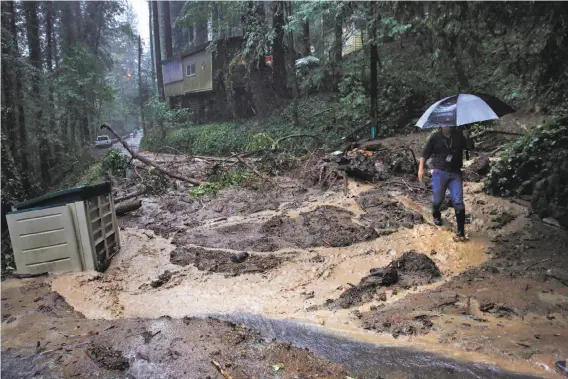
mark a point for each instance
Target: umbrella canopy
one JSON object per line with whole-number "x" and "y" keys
{"x": 463, "y": 109}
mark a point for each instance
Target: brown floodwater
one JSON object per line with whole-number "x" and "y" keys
{"x": 275, "y": 301}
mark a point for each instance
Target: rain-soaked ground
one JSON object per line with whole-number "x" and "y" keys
{"x": 481, "y": 309}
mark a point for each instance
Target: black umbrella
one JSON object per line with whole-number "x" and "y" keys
{"x": 463, "y": 109}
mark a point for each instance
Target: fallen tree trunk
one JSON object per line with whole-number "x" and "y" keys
{"x": 149, "y": 162}
{"x": 128, "y": 206}
{"x": 131, "y": 195}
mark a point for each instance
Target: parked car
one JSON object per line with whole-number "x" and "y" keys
{"x": 103, "y": 141}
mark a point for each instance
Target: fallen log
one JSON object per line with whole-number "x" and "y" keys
{"x": 127, "y": 206}
{"x": 149, "y": 162}
{"x": 131, "y": 195}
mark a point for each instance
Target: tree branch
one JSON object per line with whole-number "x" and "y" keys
{"x": 149, "y": 162}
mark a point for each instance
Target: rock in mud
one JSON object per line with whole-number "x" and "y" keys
{"x": 239, "y": 257}
{"x": 107, "y": 357}
{"x": 223, "y": 261}
{"x": 162, "y": 279}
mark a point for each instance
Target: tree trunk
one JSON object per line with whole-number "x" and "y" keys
{"x": 8, "y": 79}
{"x": 374, "y": 60}
{"x": 292, "y": 72}
{"x": 157, "y": 51}
{"x": 215, "y": 26}
{"x": 152, "y": 44}
{"x": 337, "y": 48}
{"x": 32, "y": 32}
{"x": 463, "y": 82}
{"x": 167, "y": 28}
{"x": 140, "y": 84}
{"x": 23, "y": 135}
{"x": 11, "y": 182}
{"x": 49, "y": 60}
{"x": 306, "y": 38}
{"x": 78, "y": 18}
{"x": 278, "y": 53}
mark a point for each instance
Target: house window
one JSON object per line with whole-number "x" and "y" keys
{"x": 190, "y": 69}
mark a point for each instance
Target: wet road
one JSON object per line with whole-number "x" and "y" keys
{"x": 133, "y": 143}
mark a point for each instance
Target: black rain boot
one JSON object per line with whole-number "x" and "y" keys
{"x": 437, "y": 216}
{"x": 460, "y": 220}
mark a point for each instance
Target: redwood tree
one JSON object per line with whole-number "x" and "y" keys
{"x": 157, "y": 49}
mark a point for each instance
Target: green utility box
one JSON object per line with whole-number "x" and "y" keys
{"x": 69, "y": 230}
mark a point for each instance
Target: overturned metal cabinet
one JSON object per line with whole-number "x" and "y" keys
{"x": 70, "y": 230}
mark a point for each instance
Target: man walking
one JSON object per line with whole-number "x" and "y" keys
{"x": 446, "y": 149}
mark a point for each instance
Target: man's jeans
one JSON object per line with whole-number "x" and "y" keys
{"x": 441, "y": 180}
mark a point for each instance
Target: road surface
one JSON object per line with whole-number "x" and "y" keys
{"x": 133, "y": 143}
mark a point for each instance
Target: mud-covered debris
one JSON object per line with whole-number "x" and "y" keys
{"x": 384, "y": 276}
{"x": 559, "y": 274}
{"x": 415, "y": 269}
{"x": 162, "y": 279}
{"x": 498, "y": 310}
{"x": 477, "y": 170}
{"x": 148, "y": 335}
{"x": 239, "y": 257}
{"x": 328, "y": 226}
{"x": 221, "y": 261}
{"x": 10, "y": 319}
{"x": 502, "y": 220}
{"x": 386, "y": 213}
{"x": 308, "y": 294}
{"x": 411, "y": 269}
{"x": 324, "y": 226}
{"x": 107, "y": 357}
{"x": 317, "y": 259}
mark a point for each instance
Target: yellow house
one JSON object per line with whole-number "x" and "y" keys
{"x": 194, "y": 80}
{"x": 353, "y": 39}
{"x": 188, "y": 74}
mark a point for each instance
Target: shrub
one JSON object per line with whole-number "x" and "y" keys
{"x": 115, "y": 162}
{"x": 526, "y": 158}
{"x": 218, "y": 181}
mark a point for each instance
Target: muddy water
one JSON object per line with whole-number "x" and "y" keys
{"x": 366, "y": 359}
{"x": 275, "y": 301}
